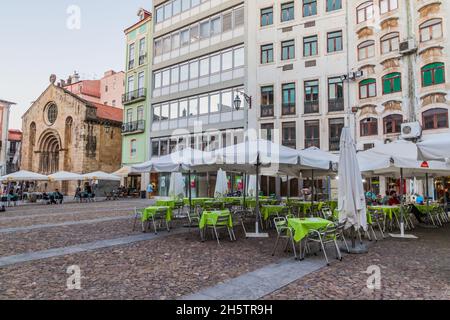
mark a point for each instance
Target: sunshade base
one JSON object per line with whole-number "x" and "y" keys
{"x": 257, "y": 235}
{"x": 404, "y": 236}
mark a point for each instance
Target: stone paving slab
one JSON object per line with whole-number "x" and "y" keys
{"x": 45, "y": 254}
{"x": 259, "y": 283}
{"x": 63, "y": 224}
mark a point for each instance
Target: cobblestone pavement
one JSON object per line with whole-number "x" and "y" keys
{"x": 165, "y": 268}
{"x": 179, "y": 264}
{"x": 410, "y": 269}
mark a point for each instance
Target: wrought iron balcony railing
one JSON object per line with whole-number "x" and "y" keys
{"x": 133, "y": 127}
{"x": 134, "y": 95}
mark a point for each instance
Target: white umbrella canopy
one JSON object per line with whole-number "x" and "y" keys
{"x": 24, "y": 176}
{"x": 181, "y": 160}
{"x": 177, "y": 186}
{"x": 434, "y": 147}
{"x": 389, "y": 159}
{"x": 124, "y": 171}
{"x": 100, "y": 175}
{"x": 352, "y": 200}
{"x": 65, "y": 176}
{"x": 317, "y": 158}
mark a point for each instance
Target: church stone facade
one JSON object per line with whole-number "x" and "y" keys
{"x": 63, "y": 132}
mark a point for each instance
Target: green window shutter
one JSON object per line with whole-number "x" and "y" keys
{"x": 386, "y": 86}
{"x": 427, "y": 78}
{"x": 367, "y": 81}
{"x": 398, "y": 84}
{"x": 439, "y": 76}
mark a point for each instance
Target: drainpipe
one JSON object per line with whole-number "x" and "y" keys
{"x": 410, "y": 60}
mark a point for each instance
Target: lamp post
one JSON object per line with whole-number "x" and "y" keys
{"x": 238, "y": 102}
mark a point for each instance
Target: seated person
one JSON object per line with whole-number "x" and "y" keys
{"x": 56, "y": 197}
{"x": 385, "y": 200}
{"x": 78, "y": 193}
{"x": 394, "y": 200}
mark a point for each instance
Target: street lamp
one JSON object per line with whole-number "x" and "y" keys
{"x": 238, "y": 102}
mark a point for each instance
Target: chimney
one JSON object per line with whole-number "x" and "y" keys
{"x": 75, "y": 77}
{"x": 69, "y": 80}
{"x": 63, "y": 83}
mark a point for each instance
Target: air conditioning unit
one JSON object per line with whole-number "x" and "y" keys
{"x": 411, "y": 130}
{"x": 408, "y": 46}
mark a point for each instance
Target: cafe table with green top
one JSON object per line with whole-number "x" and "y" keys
{"x": 197, "y": 201}
{"x": 209, "y": 218}
{"x": 268, "y": 211}
{"x": 235, "y": 201}
{"x": 424, "y": 209}
{"x": 305, "y": 206}
{"x": 302, "y": 227}
{"x": 167, "y": 203}
{"x": 251, "y": 203}
{"x": 389, "y": 211}
{"x": 213, "y": 204}
{"x": 149, "y": 212}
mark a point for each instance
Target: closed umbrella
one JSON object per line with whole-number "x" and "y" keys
{"x": 221, "y": 184}
{"x": 251, "y": 187}
{"x": 352, "y": 202}
{"x": 177, "y": 186}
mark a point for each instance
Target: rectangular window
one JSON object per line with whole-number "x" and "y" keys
{"x": 193, "y": 107}
{"x": 333, "y": 5}
{"x": 184, "y": 72}
{"x": 288, "y": 50}
{"x": 183, "y": 109}
{"x": 174, "y": 110}
{"x": 227, "y": 60}
{"x": 131, "y": 56}
{"x": 157, "y": 80}
{"x": 140, "y": 113}
{"x": 392, "y": 83}
{"x": 367, "y": 89}
{"x": 335, "y": 130}
{"x": 287, "y": 11}
{"x": 310, "y": 46}
{"x": 267, "y": 101}
{"x": 193, "y": 70}
{"x": 204, "y": 105}
{"x": 184, "y": 35}
{"x": 176, "y": 7}
{"x": 312, "y": 96}
{"x": 227, "y": 22}
{"x": 289, "y": 135}
{"x": 289, "y": 99}
{"x": 335, "y": 94}
{"x": 334, "y": 41}
{"x": 158, "y": 48}
{"x": 312, "y": 134}
{"x": 204, "y": 67}
{"x": 266, "y": 16}
{"x": 175, "y": 41}
{"x": 215, "y": 64}
{"x": 194, "y": 36}
{"x": 309, "y": 8}
{"x": 267, "y": 53}
{"x": 167, "y": 44}
{"x": 239, "y": 57}
{"x": 267, "y": 131}
{"x": 141, "y": 81}
{"x": 239, "y": 17}
{"x": 204, "y": 30}
{"x": 174, "y": 75}
{"x": 215, "y": 26}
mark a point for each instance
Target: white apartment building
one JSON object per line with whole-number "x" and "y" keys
{"x": 290, "y": 56}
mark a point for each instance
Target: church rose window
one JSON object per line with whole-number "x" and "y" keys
{"x": 52, "y": 113}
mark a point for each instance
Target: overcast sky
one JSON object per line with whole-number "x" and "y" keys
{"x": 38, "y": 38}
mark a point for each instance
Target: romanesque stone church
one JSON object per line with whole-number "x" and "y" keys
{"x": 64, "y": 132}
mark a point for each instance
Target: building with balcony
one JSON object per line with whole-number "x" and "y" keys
{"x": 13, "y": 151}
{"x": 199, "y": 66}
{"x": 136, "y": 99}
{"x": 5, "y": 109}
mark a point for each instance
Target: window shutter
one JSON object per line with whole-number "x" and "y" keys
{"x": 227, "y": 23}
{"x": 239, "y": 17}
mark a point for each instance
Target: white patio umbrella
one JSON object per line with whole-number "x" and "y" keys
{"x": 100, "y": 175}
{"x": 177, "y": 186}
{"x": 434, "y": 147}
{"x": 352, "y": 201}
{"x": 123, "y": 172}
{"x": 65, "y": 176}
{"x": 24, "y": 176}
{"x": 221, "y": 184}
{"x": 251, "y": 187}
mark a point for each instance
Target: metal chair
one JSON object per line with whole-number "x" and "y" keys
{"x": 284, "y": 232}
{"x": 340, "y": 235}
{"x": 242, "y": 217}
{"x": 378, "y": 219}
{"x": 323, "y": 237}
{"x": 137, "y": 215}
{"x": 327, "y": 214}
{"x": 178, "y": 207}
{"x": 160, "y": 217}
{"x": 221, "y": 223}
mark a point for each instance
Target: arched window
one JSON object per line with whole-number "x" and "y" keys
{"x": 364, "y": 11}
{"x": 367, "y": 89}
{"x": 435, "y": 119}
{"x": 392, "y": 83}
{"x": 432, "y": 74}
{"x": 369, "y": 127}
{"x": 366, "y": 50}
{"x": 390, "y": 42}
{"x": 393, "y": 123}
{"x": 68, "y": 132}
{"x": 431, "y": 30}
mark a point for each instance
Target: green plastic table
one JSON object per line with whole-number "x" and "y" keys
{"x": 166, "y": 203}
{"x": 149, "y": 212}
{"x": 210, "y": 218}
{"x": 211, "y": 203}
{"x": 305, "y": 206}
{"x": 251, "y": 203}
{"x": 197, "y": 201}
{"x": 303, "y": 226}
{"x": 268, "y": 211}
{"x": 424, "y": 209}
{"x": 389, "y": 211}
